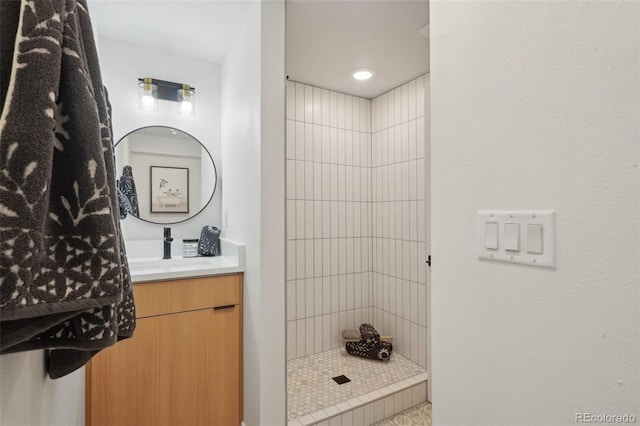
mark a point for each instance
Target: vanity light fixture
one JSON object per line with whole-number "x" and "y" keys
{"x": 150, "y": 90}
{"x": 147, "y": 94}
{"x": 362, "y": 74}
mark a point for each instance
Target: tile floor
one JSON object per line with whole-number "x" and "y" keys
{"x": 420, "y": 415}
{"x": 310, "y": 386}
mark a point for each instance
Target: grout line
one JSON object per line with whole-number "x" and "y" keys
{"x": 372, "y": 132}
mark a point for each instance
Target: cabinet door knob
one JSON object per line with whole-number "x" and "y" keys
{"x": 218, "y": 308}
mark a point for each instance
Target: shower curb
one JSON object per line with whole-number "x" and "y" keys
{"x": 372, "y": 407}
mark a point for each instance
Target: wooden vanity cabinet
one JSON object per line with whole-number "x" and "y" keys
{"x": 183, "y": 366}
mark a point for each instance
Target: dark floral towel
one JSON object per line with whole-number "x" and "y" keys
{"x": 370, "y": 345}
{"x": 64, "y": 281}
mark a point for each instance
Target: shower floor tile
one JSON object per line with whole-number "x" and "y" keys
{"x": 310, "y": 386}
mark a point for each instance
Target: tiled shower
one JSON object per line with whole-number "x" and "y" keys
{"x": 356, "y": 225}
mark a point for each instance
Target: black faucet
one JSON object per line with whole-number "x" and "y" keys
{"x": 167, "y": 243}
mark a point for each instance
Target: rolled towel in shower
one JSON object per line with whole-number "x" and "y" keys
{"x": 370, "y": 345}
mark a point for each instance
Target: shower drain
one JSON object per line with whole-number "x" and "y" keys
{"x": 341, "y": 380}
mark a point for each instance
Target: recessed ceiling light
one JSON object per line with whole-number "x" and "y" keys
{"x": 362, "y": 75}
{"x": 173, "y": 132}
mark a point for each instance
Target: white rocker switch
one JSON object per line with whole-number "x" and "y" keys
{"x": 512, "y": 236}
{"x": 534, "y": 238}
{"x": 491, "y": 235}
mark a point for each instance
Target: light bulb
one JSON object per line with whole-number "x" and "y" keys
{"x": 185, "y": 107}
{"x": 147, "y": 95}
{"x": 147, "y": 100}
{"x": 186, "y": 100}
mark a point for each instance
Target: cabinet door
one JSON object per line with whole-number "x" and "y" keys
{"x": 170, "y": 373}
{"x": 224, "y": 361}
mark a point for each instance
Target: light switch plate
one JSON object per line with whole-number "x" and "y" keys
{"x": 546, "y": 218}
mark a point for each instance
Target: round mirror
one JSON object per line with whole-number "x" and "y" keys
{"x": 164, "y": 175}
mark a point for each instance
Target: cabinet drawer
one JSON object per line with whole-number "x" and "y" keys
{"x": 166, "y": 297}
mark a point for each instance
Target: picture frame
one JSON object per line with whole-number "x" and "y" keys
{"x": 169, "y": 189}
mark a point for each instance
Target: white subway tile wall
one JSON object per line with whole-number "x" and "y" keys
{"x": 356, "y": 218}
{"x": 329, "y": 244}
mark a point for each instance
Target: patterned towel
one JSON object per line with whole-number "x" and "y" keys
{"x": 127, "y": 195}
{"x": 370, "y": 345}
{"x": 64, "y": 280}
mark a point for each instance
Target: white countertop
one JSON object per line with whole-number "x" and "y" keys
{"x": 144, "y": 269}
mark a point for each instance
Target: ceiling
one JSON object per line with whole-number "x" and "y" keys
{"x": 163, "y": 132}
{"x": 326, "y": 40}
{"x": 199, "y": 29}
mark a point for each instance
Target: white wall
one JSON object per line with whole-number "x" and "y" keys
{"x": 241, "y": 187}
{"x": 272, "y": 208}
{"x": 328, "y": 217}
{"x": 122, "y": 64}
{"x": 241, "y": 193}
{"x": 28, "y": 397}
{"x": 535, "y": 105}
{"x": 253, "y": 200}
